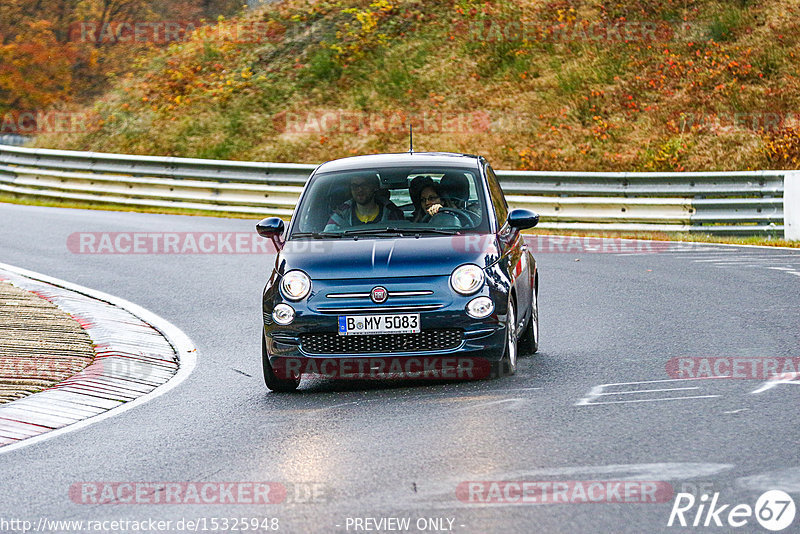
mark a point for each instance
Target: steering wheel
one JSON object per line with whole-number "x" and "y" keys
{"x": 463, "y": 217}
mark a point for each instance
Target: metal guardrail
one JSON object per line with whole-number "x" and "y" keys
{"x": 747, "y": 202}
{"x": 717, "y": 202}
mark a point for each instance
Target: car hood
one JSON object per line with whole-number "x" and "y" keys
{"x": 386, "y": 257}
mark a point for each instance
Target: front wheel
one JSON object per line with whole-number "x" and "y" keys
{"x": 273, "y": 382}
{"x": 507, "y": 366}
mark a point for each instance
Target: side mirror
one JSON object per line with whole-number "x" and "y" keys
{"x": 521, "y": 219}
{"x": 270, "y": 227}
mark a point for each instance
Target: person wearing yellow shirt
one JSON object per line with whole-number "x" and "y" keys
{"x": 365, "y": 206}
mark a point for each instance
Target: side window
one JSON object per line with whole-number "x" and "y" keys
{"x": 498, "y": 199}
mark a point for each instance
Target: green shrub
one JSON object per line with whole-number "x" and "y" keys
{"x": 725, "y": 25}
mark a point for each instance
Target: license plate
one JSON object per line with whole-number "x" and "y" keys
{"x": 355, "y": 325}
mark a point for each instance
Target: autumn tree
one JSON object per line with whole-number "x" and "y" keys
{"x": 44, "y": 61}
{"x": 35, "y": 68}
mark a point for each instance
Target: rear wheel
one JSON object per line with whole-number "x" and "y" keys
{"x": 529, "y": 341}
{"x": 273, "y": 382}
{"x": 508, "y": 364}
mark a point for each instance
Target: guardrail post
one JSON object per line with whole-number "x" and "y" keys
{"x": 791, "y": 206}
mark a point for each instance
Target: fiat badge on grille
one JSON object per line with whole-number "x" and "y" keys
{"x": 379, "y": 295}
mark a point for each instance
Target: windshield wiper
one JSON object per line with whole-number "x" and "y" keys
{"x": 365, "y": 231}
{"x": 316, "y": 235}
{"x": 396, "y": 230}
{"x": 436, "y": 231}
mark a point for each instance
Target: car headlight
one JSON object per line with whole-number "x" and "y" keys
{"x": 283, "y": 314}
{"x": 467, "y": 279}
{"x": 296, "y": 285}
{"x": 480, "y": 307}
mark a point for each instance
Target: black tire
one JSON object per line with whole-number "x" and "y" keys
{"x": 529, "y": 341}
{"x": 507, "y": 366}
{"x": 279, "y": 385}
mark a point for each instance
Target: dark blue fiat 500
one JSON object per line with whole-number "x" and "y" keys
{"x": 399, "y": 265}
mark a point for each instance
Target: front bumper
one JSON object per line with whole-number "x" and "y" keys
{"x": 482, "y": 340}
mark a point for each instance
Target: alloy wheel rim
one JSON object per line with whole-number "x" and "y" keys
{"x": 512, "y": 337}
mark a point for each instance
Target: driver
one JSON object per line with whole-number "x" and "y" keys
{"x": 366, "y": 206}
{"x": 431, "y": 200}
{"x": 426, "y": 197}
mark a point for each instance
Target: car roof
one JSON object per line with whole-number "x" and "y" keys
{"x": 445, "y": 159}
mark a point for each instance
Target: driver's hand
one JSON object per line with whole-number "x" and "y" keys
{"x": 433, "y": 210}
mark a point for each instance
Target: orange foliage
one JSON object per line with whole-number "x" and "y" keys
{"x": 45, "y": 61}
{"x": 35, "y": 69}
{"x": 782, "y": 148}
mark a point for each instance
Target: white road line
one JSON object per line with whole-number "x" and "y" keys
{"x": 704, "y": 257}
{"x": 694, "y": 247}
{"x": 747, "y": 248}
{"x": 750, "y": 258}
{"x": 645, "y": 391}
{"x": 601, "y": 390}
{"x": 662, "y": 380}
{"x": 758, "y": 264}
{"x": 746, "y": 264}
{"x": 788, "y": 378}
{"x": 651, "y": 400}
{"x": 786, "y": 479}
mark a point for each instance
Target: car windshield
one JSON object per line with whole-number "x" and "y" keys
{"x": 398, "y": 201}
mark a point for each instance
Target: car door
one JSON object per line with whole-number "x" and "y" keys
{"x": 513, "y": 254}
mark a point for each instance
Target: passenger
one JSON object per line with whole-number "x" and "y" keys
{"x": 426, "y": 197}
{"x": 367, "y": 205}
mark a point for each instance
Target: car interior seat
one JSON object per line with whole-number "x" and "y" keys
{"x": 455, "y": 186}
{"x": 338, "y": 194}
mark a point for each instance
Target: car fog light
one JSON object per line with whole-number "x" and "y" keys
{"x": 480, "y": 307}
{"x": 283, "y": 314}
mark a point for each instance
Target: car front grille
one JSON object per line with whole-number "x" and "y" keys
{"x": 426, "y": 341}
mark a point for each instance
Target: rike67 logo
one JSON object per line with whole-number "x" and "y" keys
{"x": 774, "y": 510}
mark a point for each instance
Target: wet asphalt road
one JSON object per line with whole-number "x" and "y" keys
{"x": 583, "y": 409}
